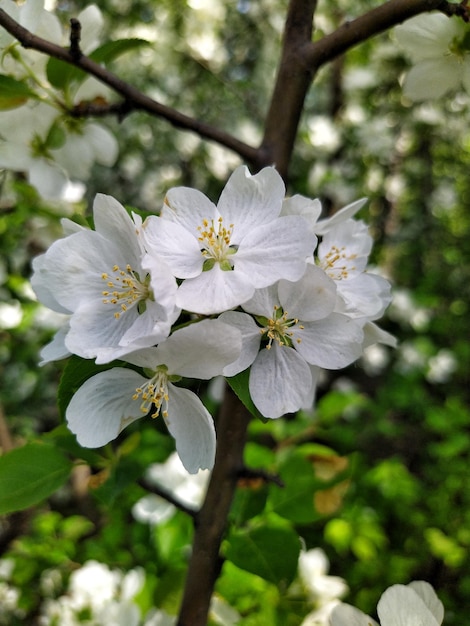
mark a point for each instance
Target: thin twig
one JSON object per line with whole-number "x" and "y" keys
{"x": 166, "y": 495}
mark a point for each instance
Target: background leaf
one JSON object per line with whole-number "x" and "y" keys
{"x": 270, "y": 551}
{"x": 30, "y": 474}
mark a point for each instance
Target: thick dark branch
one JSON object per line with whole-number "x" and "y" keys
{"x": 212, "y": 519}
{"x": 134, "y": 99}
{"x": 293, "y": 80}
{"x": 372, "y": 23}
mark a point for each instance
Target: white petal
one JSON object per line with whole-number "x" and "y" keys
{"x": 201, "y": 350}
{"x": 323, "y": 226}
{"x": 188, "y": 207}
{"x": 48, "y": 178}
{"x": 276, "y": 250}
{"x": 374, "y": 334}
{"x": 401, "y": 606}
{"x": 178, "y": 247}
{"x": 431, "y": 79}
{"x": 113, "y": 222}
{"x": 103, "y": 142}
{"x": 313, "y": 297}
{"x": 366, "y": 295}
{"x": 331, "y": 343}
{"x": 248, "y": 201}
{"x": 251, "y": 339}
{"x": 300, "y": 205}
{"x": 429, "y": 597}
{"x": 192, "y": 427}
{"x": 42, "y": 286}
{"x": 280, "y": 381}
{"x": 427, "y": 36}
{"x": 263, "y": 301}
{"x": 91, "y": 20}
{"x": 103, "y": 406}
{"x": 55, "y": 350}
{"x": 214, "y": 291}
{"x": 347, "y": 615}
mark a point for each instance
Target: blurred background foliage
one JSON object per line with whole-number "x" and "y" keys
{"x": 384, "y": 458}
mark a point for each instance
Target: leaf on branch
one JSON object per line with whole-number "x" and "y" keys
{"x": 31, "y": 474}
{"x": 13, "y": 93}
{"x": 61, "y": 74}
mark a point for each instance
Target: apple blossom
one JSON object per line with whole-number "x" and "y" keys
{"x": 116, "y": 303}
{"x": 111, "y": 400}
{"x": 222, "y": 254}
{"x": 286, "y": 329}
{"x": 415, "y": 604}
{"x": 438, "y": 47}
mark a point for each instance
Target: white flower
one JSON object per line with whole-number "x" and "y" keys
{"x": 25, "y": 147}
{"x": 438, "y": 48}
{"x": 117, "y": 303}
{"x": 313, "y": 568}
{"x": 111, "y": 400}
{"x": 295, "y": 327}
{"x": 224, "y": 253}
{"x": 171, "y": 475}
{"x": 37, "y": 139}
{"x": 415, "y": 604}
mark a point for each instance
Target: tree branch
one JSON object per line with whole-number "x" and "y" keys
{"x": 292, "y": 83}
{"x": 134, "y": 99}
{"x": 372, "y": 23}
{"x": 211, "y": 521}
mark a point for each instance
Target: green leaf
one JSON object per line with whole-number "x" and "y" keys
{"x": 30, "y": 474}
{"x": 295, "y": 500}
{"x": 270, "y": 551}
{"x": 61, "y": 74}
{"x": 13, "y": 93}
{"x": 239, "y": 384}
{"x": 113, "y": 49}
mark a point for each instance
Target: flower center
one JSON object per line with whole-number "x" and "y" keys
{"x": 126, "y": 289}
{"x": 154, "y": 393}
{"x": 215, "y": 244}
{"x": 337, "y": 263}
{"x": 277, "y": 328}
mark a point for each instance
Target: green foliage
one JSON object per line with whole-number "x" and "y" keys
{"x": 268, "y": 549}
{"x": 30, "y": 474}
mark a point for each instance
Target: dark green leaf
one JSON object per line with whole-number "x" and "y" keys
{"x": 295, "y": 500}
{"x": 270, "y": 551}
{"x": 31, "y": 474}
{"x": 62, "y": 74}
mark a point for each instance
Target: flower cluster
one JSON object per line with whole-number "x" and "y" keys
{"x": 203, "y": 290}
{"x": 36, "y": 134}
